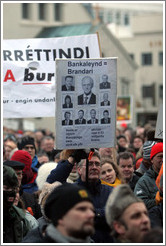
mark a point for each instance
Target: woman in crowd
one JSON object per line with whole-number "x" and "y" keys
{"x": 110, "y": 174}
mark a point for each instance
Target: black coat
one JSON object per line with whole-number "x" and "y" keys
{"x": 31, "y": 201}
{"x": 91, "y": 101}
{"x": 103, "y": 121}
{"x": 66, "y": 106}
{"x": 90, "y": 121}
{"x": 64, "y": 88}
{"x": 70, "y": 122}
{"x": 156, "y": 215}
{"x": 105, "y": 85}
{"x": 35, "y": 235}
{"x": 108, "y": 103}
{"x": 77, "y": 121}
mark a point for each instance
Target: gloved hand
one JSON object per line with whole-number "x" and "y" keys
{"x": 79, "y": 154}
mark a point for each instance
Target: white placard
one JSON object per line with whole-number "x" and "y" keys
{"x": 28, "y": 125}
{"x": 159, "y": 124}
{"x": 96, "y": 78}
{"x": 29, "y": 72}
{"x": 11, "y": 124}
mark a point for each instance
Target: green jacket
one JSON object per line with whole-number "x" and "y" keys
{"x": 146, "y": 188}
{"x": 15, "y": 226}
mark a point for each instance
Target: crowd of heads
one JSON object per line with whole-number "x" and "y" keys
{"x": 30, "y": 157}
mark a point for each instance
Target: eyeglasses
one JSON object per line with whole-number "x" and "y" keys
{"x": 96, "y": 163}
{"x": 29, "y": 147}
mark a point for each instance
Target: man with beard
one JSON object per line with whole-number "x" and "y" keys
{"x": 71, "y": 213}
{"x": 92, "y": 182}
{"x": 15, "y": 225}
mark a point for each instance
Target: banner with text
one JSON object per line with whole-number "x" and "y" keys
{"x": 86, "y": 103}
{"x": 29, "y": 72}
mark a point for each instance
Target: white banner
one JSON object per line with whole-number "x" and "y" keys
{"x": 86, "y": 103}
{"x": 29, "y": 72}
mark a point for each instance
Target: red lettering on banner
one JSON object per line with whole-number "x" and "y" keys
{"x": 9, "y": 76}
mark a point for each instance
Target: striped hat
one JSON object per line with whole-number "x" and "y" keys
{"x": 147, "y": 149}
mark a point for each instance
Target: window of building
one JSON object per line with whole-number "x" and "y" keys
{"x": 146, "y": 59}
{"x": 126, "y": 19}
{"x": 41, "y": 11}
{"x": 146, "y": 91}
{"x": 149, "y": 92}
{"x": 161, "y": 91}
{"x": 109, "y": 18}
{"x": 160, "y": 58}
{"x": 25, "y": 10}
{"x": 132, "y": 56}
{"x": 124, "y": 87}
{"x": 101, "y": 15}
{"x": 57, "y": 11}
{"x": 118, "y": 18}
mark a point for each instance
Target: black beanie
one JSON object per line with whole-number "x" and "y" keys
{"x": 24, "y": 141}
{"x": 63, "y": 198}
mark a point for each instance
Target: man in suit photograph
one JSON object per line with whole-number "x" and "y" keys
{"x": 87, "y": 97}
{"x": 105, "y": 84}
{"x": 105, "y": 101}
{"x": 68, "y": 103}
{"x": 67, "y": 121}
{"x": 105, "y": 119}
{"x": 68, "y": 86}
{"x": 93, "y": 119}
{"x": 80, "y": 119}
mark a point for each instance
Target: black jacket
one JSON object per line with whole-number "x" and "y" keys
{"x": 156, "y": 215}
{"x": 31, "y": 201}
{"x": 15, "y": 225}
{"x": 91, "y": 101}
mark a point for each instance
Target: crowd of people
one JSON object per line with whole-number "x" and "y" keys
{"x": 105, "y": 195}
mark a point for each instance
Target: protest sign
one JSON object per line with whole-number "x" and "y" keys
{"x": 86, "y": 103}
{"x": 29, "y": 72}
{"x": 124, "y": 109}
{"x": 159, "y": 124}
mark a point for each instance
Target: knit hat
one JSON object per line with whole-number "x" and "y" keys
{"x": 22, "y": 156}
{"x": 120, "y": 198}
{"x": 157, "y": 148}
{"x": 63, "y": 198}
{"x": 147, "y": 146}
{"x": 14, "y": 164}
{"x": 43, "y": 173}
{"x": 24, "y": 141}
{"x": 9, "y": 177}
